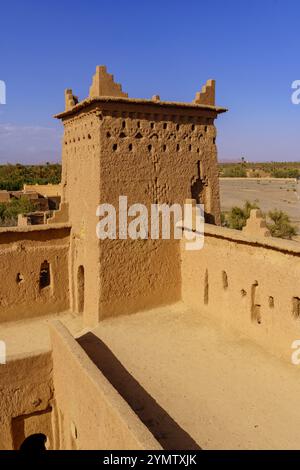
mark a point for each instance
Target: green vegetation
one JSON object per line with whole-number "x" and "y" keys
{"x": 259, "y": 170}
{"x": 281, "y": 226}
{"x": 237, "y": 217}
{"x": 9, "y": 210}
{"x": 234, "y": 171}
{"x": 285, "y": 173}
{"x": 278, "y": 222}
{"x": 13, "y": 177}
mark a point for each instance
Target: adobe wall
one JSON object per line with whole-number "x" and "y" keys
{"x": 47, "y": 190}
{"x": 93, "y": 415}
{"x": 159, "y": 155}
{"x": 81, "y": 193}
{"x": 151, "y": 155}
{"x": 23, "y": 250}
{"x": 248, "y": 284}
{"x": 26, "y": 400}
{"x": 150, "y": 151}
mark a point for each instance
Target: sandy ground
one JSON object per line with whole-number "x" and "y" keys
{"x": 223, "y": 390}
{"x": 32, "y": 335}
{"x": 270, "y": 193}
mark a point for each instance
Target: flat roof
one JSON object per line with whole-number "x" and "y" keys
{"x": 31, "y": 336}
{"x": 35, "y": 228}
{"x": 224, "y": 391}
{"x": 138, "y": 101}
{"x": 218, "y": 386}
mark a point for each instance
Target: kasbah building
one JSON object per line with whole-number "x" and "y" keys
{"x": 143, "y": 344}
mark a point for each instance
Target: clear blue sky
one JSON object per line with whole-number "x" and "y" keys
{"x": 152, "y": 47}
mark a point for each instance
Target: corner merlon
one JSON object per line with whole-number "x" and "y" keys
{"x": 104, "y": 85}
{"x": 207, "y": 94}
{"x": 256, "y": 225}
{"x": 70, "y": 99}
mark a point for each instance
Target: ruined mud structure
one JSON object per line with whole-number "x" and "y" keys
{"x": 142, "y": 344}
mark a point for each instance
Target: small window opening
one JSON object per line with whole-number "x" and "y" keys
{"x": 19, "y": 278}
{"x": 296, "y": 307}
{"x": 45, "y": 275}
{"x": 224, "y": 280}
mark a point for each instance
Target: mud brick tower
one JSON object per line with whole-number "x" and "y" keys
{"x": 151, "y": 151}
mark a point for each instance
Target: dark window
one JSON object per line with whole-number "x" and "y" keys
{"x": 19, "y": 278}
{"x": 296, "y": 307}
{"x": 45, "y": 275}
{"x": 80, "y": 291}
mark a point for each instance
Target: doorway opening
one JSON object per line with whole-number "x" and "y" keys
{"x": 34, "y": 442}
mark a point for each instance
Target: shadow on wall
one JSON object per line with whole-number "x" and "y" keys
{"x": 197, "y": 193}
{"x": 165, "y": 430}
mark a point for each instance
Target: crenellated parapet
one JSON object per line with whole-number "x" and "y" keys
{"x": 207, "y": 95}
{"x": 256, "y": 225}
{"x": 104, "y": 85}
{"x": 70, "y": 99}
{"x": 153, "y": 152}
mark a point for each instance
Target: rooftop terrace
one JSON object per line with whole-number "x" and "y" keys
{"x": 221, "y": 390}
